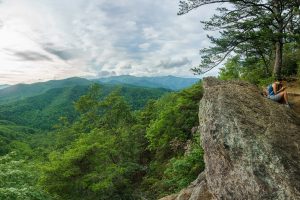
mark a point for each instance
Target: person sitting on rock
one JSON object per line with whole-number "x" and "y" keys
{"x": 277, "y": 92}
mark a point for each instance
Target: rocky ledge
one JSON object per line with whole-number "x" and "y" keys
{"x": 251, "y": 145}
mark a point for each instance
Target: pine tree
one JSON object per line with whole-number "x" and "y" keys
{"x": 246, "y": 23}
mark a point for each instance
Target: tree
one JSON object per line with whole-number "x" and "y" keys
{"x": 231, "y": 69}
{"x": 18, "y": 179}
{"x": 100, "y": 156}
{"x": 248, "y": 23}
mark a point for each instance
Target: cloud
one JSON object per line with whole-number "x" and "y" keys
{"x": 99, "y": 37}
{"x": 32, "y": 56}
{"x": 150, "y": 33}
{"x": 145, "y": 46}
{"x": 169, "y": 64}
{"x": 62, "y": 54}
{"x": 129, "y": 66}
{"x": 106, "y": 73}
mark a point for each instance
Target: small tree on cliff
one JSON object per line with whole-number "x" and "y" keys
{"x": 247, "y": 23}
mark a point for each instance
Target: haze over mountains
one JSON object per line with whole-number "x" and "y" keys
{"x": 168, "y": 82}
{"x": 4, "y": 86}
{"x": 22, "y": 91}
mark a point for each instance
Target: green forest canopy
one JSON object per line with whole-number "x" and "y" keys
{"x": 110, "y": 150}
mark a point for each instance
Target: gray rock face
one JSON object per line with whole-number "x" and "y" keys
{"x": 251, "y": 144}
{"x": 197, "y": 190}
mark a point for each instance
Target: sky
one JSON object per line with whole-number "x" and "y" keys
{"x": 55, "y": 39}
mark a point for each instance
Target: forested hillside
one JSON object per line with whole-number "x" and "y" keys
{"x": 117, "y": 146}
{"x": 17, "y": 92}
{"x": 12, "y": 136}
{"x": 44, "y": 110}
{"x": 22, "y": 91}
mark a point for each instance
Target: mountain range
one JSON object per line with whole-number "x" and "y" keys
{"x": 40, "y": 105}
{"x": 4, "y": 86}
{"x": 168, "y": 82}
{"x": 22, "y": 91}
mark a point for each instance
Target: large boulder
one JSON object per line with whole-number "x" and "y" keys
{"x": 251, "y": 144}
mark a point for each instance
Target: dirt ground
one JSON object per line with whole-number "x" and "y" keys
{"x": 294, "y": 95}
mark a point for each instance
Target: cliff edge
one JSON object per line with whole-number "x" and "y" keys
{"x": 251, "y": 145}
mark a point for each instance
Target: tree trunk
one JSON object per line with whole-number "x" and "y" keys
{"x": 278, "y": 59}
{"x": 279, "y": 40}
{"x": 266, "y": 65}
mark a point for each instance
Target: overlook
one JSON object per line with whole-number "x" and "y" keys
{"x": 151, "y": 99}
{"x": 251, "y": 145}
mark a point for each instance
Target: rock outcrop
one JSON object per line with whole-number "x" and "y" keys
{"x": 251, "y": 145}
{"x": 197, "y": 190}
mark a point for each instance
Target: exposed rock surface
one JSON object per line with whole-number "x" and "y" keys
{"x": 251, "y": 145}
{"x": 196, "y": 191}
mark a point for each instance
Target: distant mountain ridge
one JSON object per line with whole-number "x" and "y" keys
{"x": 22, "y": 91}
{"x": 168, "y": 82}
{"x": 4, "y": 86}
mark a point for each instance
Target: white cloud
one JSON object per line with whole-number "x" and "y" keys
{"x": 150, "y": 33}
{"x": 60, "y": 38}
{"x": 145, "y": 46}
{"x": 169, "y": 63}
